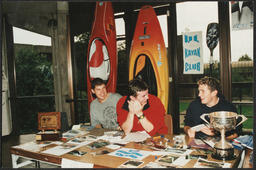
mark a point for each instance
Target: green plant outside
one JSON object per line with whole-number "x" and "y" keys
{"x": 247, "y": 111}
{"x": 33, "y": 77}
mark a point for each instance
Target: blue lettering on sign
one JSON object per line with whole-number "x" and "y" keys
{"x": 194, "y": 52}
{"x": 195, "y": 39}
{"x": 189, "y": 66}
{"x": 189, "y": 38}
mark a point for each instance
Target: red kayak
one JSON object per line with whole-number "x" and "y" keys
{"x": 102, "y": 51}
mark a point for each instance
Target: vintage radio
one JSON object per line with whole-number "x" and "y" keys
{"x": 49, "y": 124}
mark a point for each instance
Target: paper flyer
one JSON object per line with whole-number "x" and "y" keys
{"x": 67, "y": 163}
{"x": 130, "y": 153}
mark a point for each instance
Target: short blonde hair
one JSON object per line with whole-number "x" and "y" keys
{"x": 211, "y": 82}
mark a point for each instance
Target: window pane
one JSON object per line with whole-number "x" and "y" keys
{"x": 163, "y": 24}
{"x": 120, "y": 27}
{"x": 241, "y": 30}
{"x": 34, "y": 80}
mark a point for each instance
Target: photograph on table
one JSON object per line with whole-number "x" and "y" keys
{"x": 80, "y": 141}
{"x": 98, "y": 144}
{"x": 61, "y": 149}
{"x": 167, "y": 159}
{"x": 70, "y": 134}
{"x": 102, "y": 152}
{"x": 131, "y": 164}
{"x": 176, "y": 151}
{"x": 77, "y": 153}
{"x": 67, "y": 146}
{"x": 157, "y": 165}
{"x": 196, "y": 156}
{"x": 77, "y": 140}
{"x": 203, "y": 163}
{"x": 91, "y": 137}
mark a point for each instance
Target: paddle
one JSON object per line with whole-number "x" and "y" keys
{"x": 212, "y": 38}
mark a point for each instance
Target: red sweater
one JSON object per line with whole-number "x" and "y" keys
{"x": 154, "y": 111}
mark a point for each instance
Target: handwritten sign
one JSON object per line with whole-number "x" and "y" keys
{"x": 193, "y": 53}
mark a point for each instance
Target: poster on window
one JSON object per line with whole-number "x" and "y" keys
{"x": 242, "y": 15}
{"x": 193, "y": 53}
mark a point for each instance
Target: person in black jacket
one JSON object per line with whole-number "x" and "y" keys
{"x": 209, "y": 100}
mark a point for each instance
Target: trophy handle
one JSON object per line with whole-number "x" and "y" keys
{"x": 243, "y": 119}
{"x": 203, "y": 117}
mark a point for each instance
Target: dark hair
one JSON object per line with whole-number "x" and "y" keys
{"x": 135, "y": 86}
{"x": 211, "y": 82}
{"x": 97, "y": 82}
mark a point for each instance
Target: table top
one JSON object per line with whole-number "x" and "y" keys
{"x": 100, "y": 157}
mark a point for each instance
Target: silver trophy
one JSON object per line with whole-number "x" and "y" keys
{"x": 223, "y": 121}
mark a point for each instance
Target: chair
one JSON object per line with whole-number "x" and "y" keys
{"x": 168, "y": 123}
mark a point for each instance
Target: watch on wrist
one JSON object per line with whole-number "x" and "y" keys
{"x": 141, "y": 116}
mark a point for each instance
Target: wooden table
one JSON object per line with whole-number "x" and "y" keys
{"x": 99, "y": 161}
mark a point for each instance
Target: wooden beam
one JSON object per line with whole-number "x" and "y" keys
{"x": 8, "y": 34}
{"x": 63, "y": 86}
{"x": 225, "y": 49}
{"x": 70, "y": 74}
{"x": 173, "y": 107}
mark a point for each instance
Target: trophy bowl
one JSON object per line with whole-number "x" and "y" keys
{"x": 223, "y": 121}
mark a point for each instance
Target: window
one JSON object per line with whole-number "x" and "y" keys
{"x": 194, "y": 17}
{"x": 34, "y": 78}
{"x": 241, "y": 30}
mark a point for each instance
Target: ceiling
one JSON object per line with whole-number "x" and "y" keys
{"x": 36, "y": 15}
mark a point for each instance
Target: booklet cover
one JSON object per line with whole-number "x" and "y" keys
{"x": 245, "y": 140}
